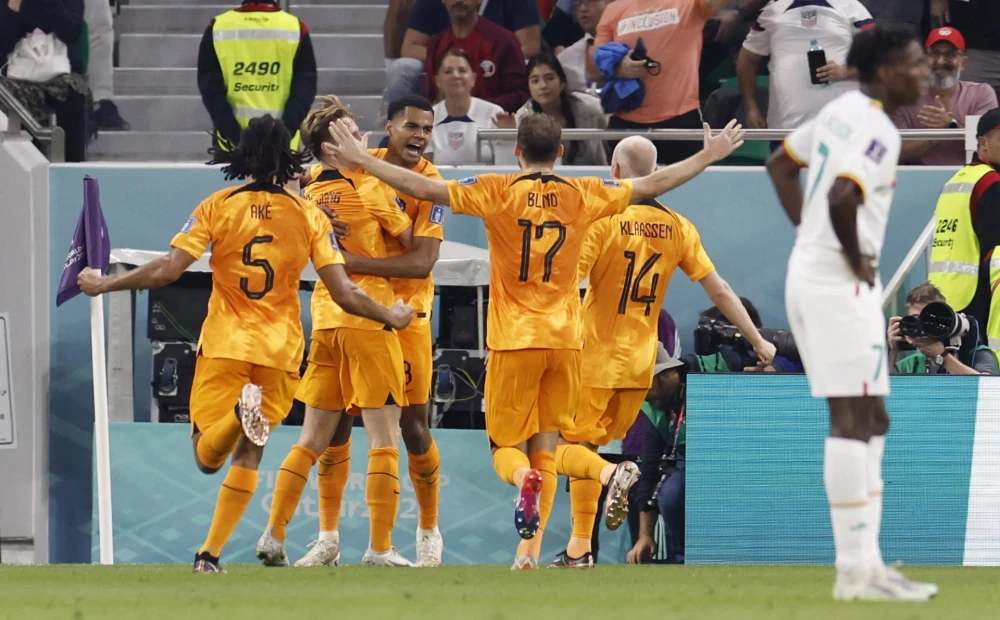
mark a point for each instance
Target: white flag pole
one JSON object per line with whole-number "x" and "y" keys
{"x": 102, "y": 441}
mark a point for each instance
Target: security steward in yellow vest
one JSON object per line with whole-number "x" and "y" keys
{"x": 256, "y": 60}
{"x": 965, "y": 253}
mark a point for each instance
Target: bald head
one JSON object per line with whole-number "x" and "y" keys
{"x": 634, "y": 157}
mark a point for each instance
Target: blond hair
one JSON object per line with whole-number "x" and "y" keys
{"x": 316, "y": 126}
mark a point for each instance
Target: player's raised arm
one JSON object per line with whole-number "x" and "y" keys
{"x": 726, "y": 300}
{"x": 716, "y": 148}
{"x": 353, "y": 300}
{"x": 156, "y": 274}
{"x": 351, "y": 152}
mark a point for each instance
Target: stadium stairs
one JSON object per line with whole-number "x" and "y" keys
{"x": 156, "y": 87}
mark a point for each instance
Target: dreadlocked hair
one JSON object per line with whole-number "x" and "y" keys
{"x": 263, "y": 154}
{"x": 316, "y": 127}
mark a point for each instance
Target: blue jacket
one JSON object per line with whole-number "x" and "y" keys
{"x": 617, "y": 95}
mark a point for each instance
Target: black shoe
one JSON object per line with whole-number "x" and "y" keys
{"x": 207, "y": 563}
{"x": 564, "y": 561}
{"x": 107, "y": 118}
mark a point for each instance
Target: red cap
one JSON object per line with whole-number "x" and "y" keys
{"x": 948, "y": 34}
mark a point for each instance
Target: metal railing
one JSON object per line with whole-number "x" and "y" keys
{"x": 920, "y": 250}
{"x": 692, "y": 135}
{"x": 18, "y": 115}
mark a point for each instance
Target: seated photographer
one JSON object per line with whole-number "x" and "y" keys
{"x": 660, "y": 488}
{"x": 943, "y": 342}
{"x": 720, "y": 348}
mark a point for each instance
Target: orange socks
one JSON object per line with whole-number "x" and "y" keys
{"x": 577, "y": 461}
{"x": 424, "y": 470}
{"x": 234, "y": 497}
{"x": 333, "y": 472}
{"x": 584, "y": 496}
{"x": 506, "y": 461}
{"x": 218, "y": 441}
{"x": 288, "y": 488}
{"x": 382, "y": 495}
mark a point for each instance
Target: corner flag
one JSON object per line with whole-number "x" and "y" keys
{"x": 91, "y": 246}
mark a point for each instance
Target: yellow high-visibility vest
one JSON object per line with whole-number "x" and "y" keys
{"x": 256, "y": 51}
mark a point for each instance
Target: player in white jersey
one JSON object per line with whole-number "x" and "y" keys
{"x": 833, "y": 294}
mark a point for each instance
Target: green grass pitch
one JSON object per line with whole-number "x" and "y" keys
{"x": 136, "y": 592}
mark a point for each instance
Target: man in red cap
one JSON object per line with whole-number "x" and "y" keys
{"x": 947, "y": 102}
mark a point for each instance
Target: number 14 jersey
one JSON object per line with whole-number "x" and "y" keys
{"x": 261, "y": 238}
{"x": 535, "y": 226}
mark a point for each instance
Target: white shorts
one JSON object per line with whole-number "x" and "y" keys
{"x": 839, "y": 330}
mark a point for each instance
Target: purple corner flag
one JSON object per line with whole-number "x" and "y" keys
{"x": 91, "y": 246}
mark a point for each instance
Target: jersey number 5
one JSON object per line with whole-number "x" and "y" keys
{"x": 526, "y": 238}
{"x": 262, "y": 263}
{"x": 630, "y": 289}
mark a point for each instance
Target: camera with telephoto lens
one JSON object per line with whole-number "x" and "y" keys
{"x": 666, "y": 467}
{"x": 711, "y": 334}
{"x": 937, "y": 320}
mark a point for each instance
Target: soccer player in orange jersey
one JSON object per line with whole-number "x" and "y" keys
{"x": 535, "y": 223}
{"x": 410, "y": 123}
{"x": 354, "y": 364}
{"x": 251, "y": 342}
{"x": 629, "y": 258}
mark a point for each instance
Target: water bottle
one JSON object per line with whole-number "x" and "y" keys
{"x": 817, "y": 58}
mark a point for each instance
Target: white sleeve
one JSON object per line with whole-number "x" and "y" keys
{"x": 758, "y": 40}
{"x": 859, "y": 16}
{"x": 864, "y": 158}
{"x": 799, "y": 143}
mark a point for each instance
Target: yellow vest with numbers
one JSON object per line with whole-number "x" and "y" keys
{"x": 256, "y": 52}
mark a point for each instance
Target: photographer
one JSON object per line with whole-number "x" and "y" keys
{"x": 661, "y": 465}
{"x": 959, "y": 353}
{"x": 719, "y": 347}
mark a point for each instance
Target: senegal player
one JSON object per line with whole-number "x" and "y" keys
{"x": 630, "y": 258}
{"x": 535, "y": 223}
{"x": 354, "y": 364}
{"x": 251, "y": 342}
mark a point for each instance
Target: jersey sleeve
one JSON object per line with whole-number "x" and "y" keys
{"x": 606, "y": 197}
{"x": 196, "y": 235}
{"x": 324, "y": 249}
{"x": 381, "y": 203}
{"x": 607, "y": 26}
{"x": 430, "y": 217}
{"x": 758, "y": 40}
{"x": 859, "y": 16}
{"x": 695, "y": 262}
{"x": 593, "y": 243}
{"x": 862, "y": 160}
{"x": 478, "y": 195}
{"x": 798, "y": 144}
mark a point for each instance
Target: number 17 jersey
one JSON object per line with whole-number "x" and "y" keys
{"x": 535, "y": 225}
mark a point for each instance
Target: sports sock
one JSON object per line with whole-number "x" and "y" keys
{"x": 218, "y": 441}
{"x": 332, "y": 475}
{"x": 424, "y": 470}
{"x": 382, "y": 495}
{"x": 876, "y": 447}
{"x": 506, "y": 462}
{"x": 845, "y": 477}
{"x": 288, "y": 486}
{"x": 234, "y": 497}
{"x": 578, "y": 461}
{"x": 544, "y": 462}
{"x": 583, "y": 498}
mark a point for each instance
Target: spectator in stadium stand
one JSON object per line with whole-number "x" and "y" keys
{"x": 561, "y": 27}
{"x": 100, "y": 65}
{"x": 550, "y": 95}
{"x": 65, "y": 94}
{"x": 949, "y": 100}
{"x": 256, "y": 60}
{"x": 672, "y": 33}
{"x": 910, "y": 13}
{"x": 426, "y": 18}
{"x": 979, "y": 21}
{"x": 459, "y": 116}
{"x": 784, "y": 31}
{"x": 575, "y": 58}
{"x": 495, "y": 53}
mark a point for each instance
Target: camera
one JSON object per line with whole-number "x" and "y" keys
{"x": 711, "y": 334}
{"x": 937, "y": 320}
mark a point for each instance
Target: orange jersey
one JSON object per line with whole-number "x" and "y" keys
{"x": 535, "y": 227}
{"x": 362, "y": 202}
{"x": 261, "y": 238}
{"x": 630, "y": 259}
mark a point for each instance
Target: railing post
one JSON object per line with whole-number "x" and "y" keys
{"x": 57, "y": 149}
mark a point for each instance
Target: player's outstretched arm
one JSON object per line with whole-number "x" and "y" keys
{"x": 716, "y": 148}
{"x": 158, "y": 273}
{"x": 351, "y": 152}
{"x": 726, "y": 300}
{"x": 845, "y": 197}
{"x": 784, "y": 173}
{"x": 416, "y": 264}
{"x": 353, "y": 300}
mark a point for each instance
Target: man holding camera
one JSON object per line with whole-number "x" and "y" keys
{"x": 935, "y": 355}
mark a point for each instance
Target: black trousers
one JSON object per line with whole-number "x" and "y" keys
{"x": 667, "y": 152}
{"x": 72, "y": 116}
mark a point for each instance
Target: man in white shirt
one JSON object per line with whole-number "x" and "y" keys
{"x": 833, "y": 293}
{"x": 785, "y": 31}
{"x": 574, "y": 58}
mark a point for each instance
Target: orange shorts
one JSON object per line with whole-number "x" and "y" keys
{"x": 605, "y": 415}
{"x": 530, "y": 391}
{"x": 418, "y": 362}
{"x": 218, "y": 382}
{"x": 353, "y": 368}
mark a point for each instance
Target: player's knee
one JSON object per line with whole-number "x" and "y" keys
{"x": 382, "y": 426}
{"x": 205, "y": 469}
{"x": 415, "y": 428}
{"x": 880, "y": 418}
{"x": 850, "y": 418}
{"x": 247, "y": 455}
{"x": 343, "y": 433}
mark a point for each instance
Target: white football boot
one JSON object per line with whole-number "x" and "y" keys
{"x": 430, "y": 546}
{"x": 385, "y": 558}
{"x": 271, "y": 552}
{"x": 322, "y": 552}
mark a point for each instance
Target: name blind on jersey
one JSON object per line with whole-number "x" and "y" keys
{"x": 650, "y": 21}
